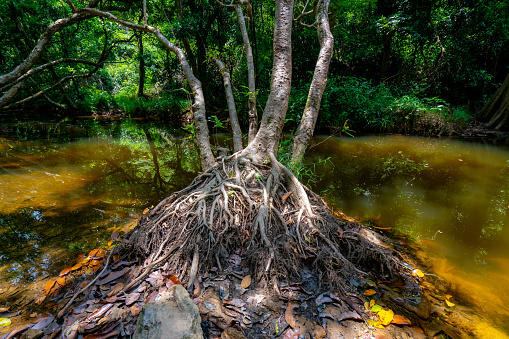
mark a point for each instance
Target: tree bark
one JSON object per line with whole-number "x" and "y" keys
{"x": 308, "y": 121}
{"x": 271, "y": 126}
{"x": 198, "y": 107}
{"x": 496, "y": 111}
{"x": 237, "y": 134}
{"x": 253, "y": 115}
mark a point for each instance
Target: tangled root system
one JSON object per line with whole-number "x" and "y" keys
{"x": 259, "y": 212}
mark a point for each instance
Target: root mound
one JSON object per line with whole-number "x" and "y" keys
{"x": 262, "y": 213}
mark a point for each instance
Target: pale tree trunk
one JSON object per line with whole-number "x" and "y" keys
{"x": 253, "y": 115}
{"x": 308, "y": 121}
{"x": 237, "y": 134}
{"x": 271, "y": 126}
{"x": 141, "y": 69}
{"x": 496, "y": 111}
{"x": 200, "y": 120}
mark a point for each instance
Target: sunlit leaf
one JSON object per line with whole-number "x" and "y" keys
{"x": 98, "y": 252}
{"x": 371, "y": 303}
{"x": 450, "y": 304}
{"x": 385, "y": 317}
{"x": 400, "y": 320}
{"x": 246, "y": 282}
{"x": 371, "y": 322}
{"x": 366, "y": 306}
{"x": 369, "y": 292}
{"x": 376, "y": 308}
{"x": 61, "y": 281}
{"x": 146, "y": 210}
{"x": 49, "y": 286}
{"x": 417, "y": 273}
{"x": 4, "y": 309}
{"x": 77, "y": 266}
{"x": 378, "y": 324}
{"x": 5, "y": 321}
{"x": 65, "y": 271}
{"x": 134, "y": 310}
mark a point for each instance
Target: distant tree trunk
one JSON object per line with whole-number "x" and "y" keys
{"x": 141, "y": 82}
{"x": 496, "y": 111}
{"x": 237, "y": 134}
{"x": 253, "y": 115}
{"x": 310, "y": 114}
{"x": 386, "y": 52}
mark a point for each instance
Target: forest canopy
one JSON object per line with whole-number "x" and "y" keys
{"x": 391, "y": 60}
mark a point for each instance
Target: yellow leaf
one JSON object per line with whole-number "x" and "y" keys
{"x": 448, "y": 296}
{"x": 246, "y": 282}
{"x": 417, "y": 273}
{"x": 369, "y": 292}
{"x": 110, "y": 243}
{"x": 49, "y": 286}
{"x": 146, "y": 210}
{"x": 378, "y": 325}
{"x": 366, "y": 306}
{"x": 450, "y": 304}
{"x": 371, "y": 322}
{"x": 61, "y": 281}
{"x": 386, "y": 317}
{"x": 376, "y": 308}
{"x": 5, "y": 321}
{"x": 372, "y": 303}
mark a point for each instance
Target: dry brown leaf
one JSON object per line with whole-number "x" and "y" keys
{"x": 39, "y": 299}
{"x": 349, "y": 315}
{"x": 146, "y": 210}
{"x": 61, "y": 281}
{"x": 101, "y": 335}
{"x": 400, "y": 320}
{"x": 418, "y": 329}
{"x": 49, "y": 286}
{"x": 286, "y": 196}
{"x": 65, "y": 271}
{"x": 246, "y": 282}
{"x": 116, "y": 289}
{"x": 369, "y": 292}
{"x": 131, "y": 298}
{"x": 289, "y": 317}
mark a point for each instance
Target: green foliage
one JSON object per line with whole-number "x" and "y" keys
{"x": 361, "y": 105}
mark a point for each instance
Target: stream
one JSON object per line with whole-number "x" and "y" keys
{"x": 66, "y": 186}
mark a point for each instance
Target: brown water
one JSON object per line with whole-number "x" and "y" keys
{"x": 65, "y": 188}
{"x": 451, "y": 197}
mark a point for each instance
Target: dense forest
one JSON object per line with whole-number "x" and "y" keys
{"x": 424, "y": 67}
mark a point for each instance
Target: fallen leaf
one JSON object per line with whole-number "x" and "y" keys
{"x": 417, "y": 273}
{"x": 145, "y": 211}
{"x": 378, "y": 325}
{"x": 400, "y": 320}
{"x": 39, "y": 299}
{"x": 326, "y": 315}
{"x": 385, "y": 317}
{"x": 289, "y": 317}
{"x": 77, "y": 266}
{"x": 65, "y": 271}
{"x": 246, "y": 282}
{"x": 116, "y": 289}
{"x": 49, "y": 286}
{"x": 98, "y": 252}
{"x": 369, "y": 292}
{"x": 349, "y": 315}
{"x": 448, "y": 296}
{"x": 450, "y": 304}
{"x": 61, "y": 281}
{"x": 3, "y": 309}
{"x": 43, "y": 322}
{"x": 371, "y": 303}
{"x": 112, "y": 276}
{"x": 366, "y": 306}
{"x": 322, "y": 299}
{"x": 376, "y": 308}
{"x": 257, "y": 298}
{"x": 134, "y": 310}
{"x": 131, "y": 298}
{"x": 286, "y": 196}
{"x": 418, "y": 329}
{"x": 292, "y": 333}
{"x": 5, "y": 321}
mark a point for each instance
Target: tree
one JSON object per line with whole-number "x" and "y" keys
{"x": 496, "y": 111}
{"x": 249, "y": 201}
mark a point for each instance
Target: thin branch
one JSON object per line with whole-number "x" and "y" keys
{"x": 225, "y": 5}
{"x": 305, "y": 14}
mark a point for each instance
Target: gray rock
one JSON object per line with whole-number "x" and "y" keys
{"x": 173, "y": 316}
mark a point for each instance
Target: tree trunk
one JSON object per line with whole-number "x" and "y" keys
{"x": 271, "y": 126}
{"x": 198, "y": 107}
{"x": 141, "y": 69}
{"x": 310, "y": 114}
{"x": 253, "y": 115}
{"x": 496, "y": 111}
{"x": 386, "y": 52}
{"x": 237, "y": 134}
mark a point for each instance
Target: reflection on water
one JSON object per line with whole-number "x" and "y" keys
{"x": 451, "y": 197}
{"x": 64, "y": 188}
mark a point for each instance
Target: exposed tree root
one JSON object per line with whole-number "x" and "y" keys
{"x": 247, "y": 209}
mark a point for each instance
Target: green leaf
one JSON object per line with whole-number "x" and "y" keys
{"x": 376, "y": 308}
{"x": 5, "y": 321}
